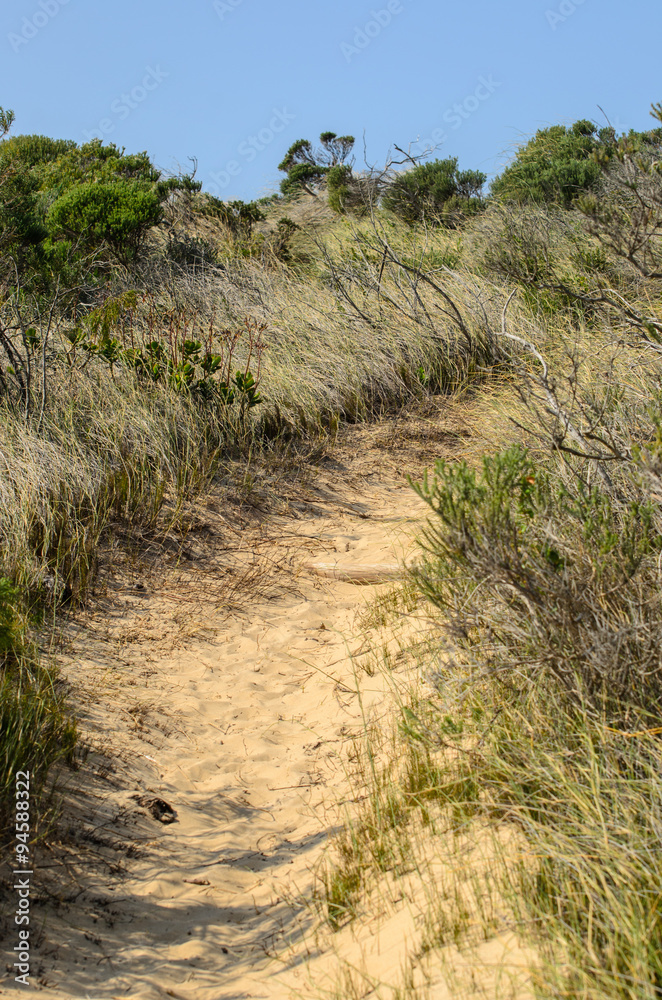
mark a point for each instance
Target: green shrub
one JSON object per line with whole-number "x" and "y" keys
{"x": 280, "y": 241}
{"x": 24, "y": 152}
{"x": 337, "y": 182}
{"x": 349, "y": 192}
{"x": 118, "y": 214}
{"x": 188, "y": 366}
{"x": 95, "y": 162}
{"x": 544, "y": 576}
{"x": 36, "y": 170}
{"x": 435, "y": 192}
{"x": 191, "y": 251}
{"x": 561, "y": 163}
{"x": 22, "y": 158}
{"x": 302, "y": 177}
{"x": 92, "y": 198}
{"x": 554, "y": 166}
{"x": 239, "y": 216}
{"x": 307, "y": 166}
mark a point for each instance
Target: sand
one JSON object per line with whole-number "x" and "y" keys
{"x": 222, "y": 699}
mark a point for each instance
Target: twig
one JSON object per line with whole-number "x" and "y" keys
{"x": 553, "y": 404}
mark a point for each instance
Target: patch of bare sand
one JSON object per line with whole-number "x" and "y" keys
{"x": 226, "y": 693}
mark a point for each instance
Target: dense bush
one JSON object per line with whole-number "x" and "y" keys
{"x": 239, "y": 216}
{"x": 543, "y": 574}
{"x": 66, "y": 210}
{"x": 191, "y": 251}
{"x": 435, "y": 192}
{"x": 554, "y": 166}
{"x": 118, "y": 214}
{"x": 350, "y": 192}
{"x": 307, "y": 166}
{"x": 338, "y": 186}
{"x": 95, "y": 162}
{"x": 22, "y": 214}
{"x": 561, "y": 163}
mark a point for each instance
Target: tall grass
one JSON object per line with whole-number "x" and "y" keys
{"x": 124, "y": 429}
{"x": 543, "y": 710}
{"x": 36, "y": 727}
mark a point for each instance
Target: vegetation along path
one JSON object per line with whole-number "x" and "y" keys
{"x": 219, "y": 714}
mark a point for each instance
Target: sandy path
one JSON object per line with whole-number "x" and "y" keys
{"x": 241, "y": 732}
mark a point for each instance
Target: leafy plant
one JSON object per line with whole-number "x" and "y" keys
{"x": 281, "y": 240}
{"x": 350, "y": 192}
{"x": 560, "y": 164}
{"x": 435, "y": 192}
{"x": 546, "y": 576}
{"x": 68, "y": 211}
{"x": 94, "y": 161}
{"x": 191, "y": 251}
{"x": 306, "y": 166}
{"x": 239, "y": 216}
{"x": 118, "y": 214}
{"x": 184, "y": 364}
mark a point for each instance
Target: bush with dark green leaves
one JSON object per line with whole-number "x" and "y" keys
{"x": 22, "y": 204}
{"x": 338, "y": 186}
{"x": 280, "y": 241}
{"x": 191, "y": 251}
{"x": 349, "y": 192}
{"x": 554, "y": 167}
{"x": 95, "y": 162}
{"x": 307, "y": 166}
{"x": 435, "y": 192}
{"x": 118, "y": 214}
{"x": 68, "y": 210}
{"x": 561, "y": 163}
{"x": 239, "y": 216}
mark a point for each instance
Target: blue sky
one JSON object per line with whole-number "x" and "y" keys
{"x": 235, "y": 82}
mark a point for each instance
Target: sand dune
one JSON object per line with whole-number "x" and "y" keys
{"x": 241, "y": 734}
{"x": 220, "y": 699}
